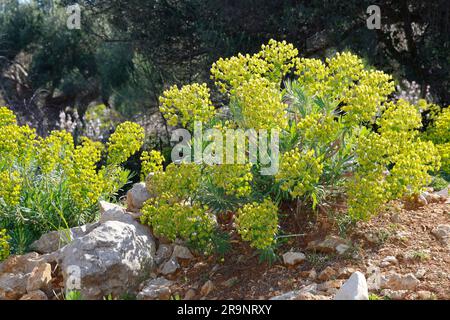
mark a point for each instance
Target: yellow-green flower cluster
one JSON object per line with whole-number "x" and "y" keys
{"x": 371, "y": 151}
{"x": 439, "y": 133}
{"x": 258, "y": 223}
{"x": 234, "y": 179}
{"x": 17, "y": 143}
{"x": 261, "y": 105}
{"x": 273, "y": 62}
{"x": 317, "y": 127}
{"x": 54, "y": 149}
{"x": 392, "y": 163}
{"x": 299, "y": 171}
{"x": 181, "y": 181}
{"x": 444, "y": 153}
{"x": 412, "y": 165}
{"x": 398, "y": 126}
{"x": 124, "y": 142}
{"x": 231, "y": 73}
{"x": 7, "y": 117}
{"x": 179, "y": 220}
{"x": 186, "y": 105}
{"x": 11, "y": 186}
{"x": 4, "y": 245}
{"x": 112, "y": 178}
{"x": 173, "y": 212}
{"x": 280, "y": 57}
{"x": 367, "y": 192}
{"x": 151, "y": 162}
{"x": 332, "y": 79}
{"x": 343, "y": 79}
{"x": 364, "y": 100}
{"x": 85, "y": 183}
{"x": 440, "y": 130}
{"x": 312, "y": 74}
{"x": 343, "y": 70}
{"x": 400, "y": 117}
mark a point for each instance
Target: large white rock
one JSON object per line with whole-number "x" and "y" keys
{"x": 296, "y": 294}
{"x": 207, "y": 288}
{"x": 55, "y": 240}
{"x": 331, "y": 244}
{"x": 355, "y": 288}
{"x": 389, "y": 260}
{"x": 39, "y": 278}
{"x": 395, "y": 281}
{"x": 156, "y": 289}
{"x": 17, "y": 272}
{"x": 163, "y": 253}
{"x": 444, "y": 192}
{"x": 22, "y": 264}
{"x": 107, "y": 206}
{"x": 181, "y": 252}
{"x": 113, "y": 258}
{"x": 136, "y": 197}
{"x": 12, "y": 286}
{"x": 170, "y": 267}
{"x": 35, "y": 295}
{"x": 291, "y": 258}
{"x": 442, "y": 233}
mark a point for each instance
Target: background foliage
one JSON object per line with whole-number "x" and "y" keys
{"x": 126, "y": 53}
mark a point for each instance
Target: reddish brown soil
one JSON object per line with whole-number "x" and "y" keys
{"x": 405, "y": 234}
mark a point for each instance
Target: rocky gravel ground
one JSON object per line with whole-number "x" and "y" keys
{"x": 401, "y": 254}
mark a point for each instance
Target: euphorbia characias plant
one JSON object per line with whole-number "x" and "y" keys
{"x": 338, "y": 132}
{"x": 52, "y": 183}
